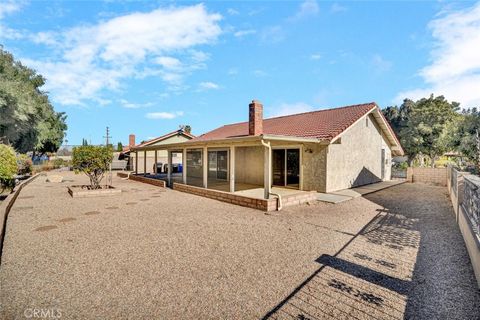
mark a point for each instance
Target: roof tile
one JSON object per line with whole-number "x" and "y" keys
{"x": 321, "y": 124}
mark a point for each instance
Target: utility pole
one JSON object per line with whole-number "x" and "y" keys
{"x": 107, "y": 137}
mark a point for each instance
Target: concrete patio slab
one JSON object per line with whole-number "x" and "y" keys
{"x": 348, "y": 194}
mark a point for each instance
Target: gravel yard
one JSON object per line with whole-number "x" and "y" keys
{"x": 153, "y": 254}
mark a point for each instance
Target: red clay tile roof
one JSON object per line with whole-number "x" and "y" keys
{"x": 321, "y": 124}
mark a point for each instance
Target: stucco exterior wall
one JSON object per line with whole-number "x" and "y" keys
{"x": 314, "y": 167}
{"x": 357, "y": 160}
{"x": 249, "y": 165}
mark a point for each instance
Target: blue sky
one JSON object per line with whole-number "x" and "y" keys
{"x": 145, "y": 67}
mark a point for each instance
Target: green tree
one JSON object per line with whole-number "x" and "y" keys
{"x": 84, "y": 142}
{"x": 28, "y": 121}
{"x": 94, "y": 161}
{"x": 188, "y": 129}
{"x": 119, "y": 147}
{"x": 464, "y": 137}
{"x": 8, "y": 167}
{"x": 422, "y": 125}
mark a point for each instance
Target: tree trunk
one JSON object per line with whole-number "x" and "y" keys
{"x": 432, "y": 159}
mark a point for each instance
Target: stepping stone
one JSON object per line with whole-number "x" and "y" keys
{"x": 54, "y": 178}
{"x": 26, "y": 197}
{"x": 67, "y": 219}
{"x": 144, "y": 200}
{"x": 111, "y": 208}
{"x": 130, "y": 203}
{"x": 46, "y": 228}
{"x": 90, "y": 213}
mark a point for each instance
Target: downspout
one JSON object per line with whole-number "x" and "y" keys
{"x": 279, "y": 202}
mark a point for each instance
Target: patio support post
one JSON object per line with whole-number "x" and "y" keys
{"x": 155, "y": 169}
{"x": 145, "y": 162}
{"x": 232, "y": 169}
{"x": 169, "y": 167}
{"x": 267, "y": 169}
{"x": 205, "y": 167}
{"x": 184, "y": 166}
{"x": 136, "y": 162}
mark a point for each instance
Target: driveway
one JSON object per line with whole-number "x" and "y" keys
{"x": 149, "y": 254}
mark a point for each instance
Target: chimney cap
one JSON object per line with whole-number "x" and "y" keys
{"x": 256, "y": 101}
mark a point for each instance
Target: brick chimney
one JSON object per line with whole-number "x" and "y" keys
{"x": 131, "y": 140}
{"x": 255, "y": 118}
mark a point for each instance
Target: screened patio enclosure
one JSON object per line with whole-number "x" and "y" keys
{"x": 238, "y": 164}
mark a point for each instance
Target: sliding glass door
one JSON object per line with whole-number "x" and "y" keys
{"x": 218, "y": 164}
{"x": 286, "y": 167}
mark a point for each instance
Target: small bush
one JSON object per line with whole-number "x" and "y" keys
{"x": 59, "y": 162}
{"x": 8, "y": 167}
{"x": 25, "y": 164}
{"x": 94, "y": 161}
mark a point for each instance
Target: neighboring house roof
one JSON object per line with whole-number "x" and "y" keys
{"x": 322, "y": 124}
{"x": 161, "y": 138}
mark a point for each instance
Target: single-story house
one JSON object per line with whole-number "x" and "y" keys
{"x": 143, "y": 162}
{"x": 324, "y": 151}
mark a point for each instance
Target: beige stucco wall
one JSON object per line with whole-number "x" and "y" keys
{"x": 314, "y": 167}
{"x": 161, "y": 155}
{"x": 249, "y": 165}
{"x": 357, "y": 159}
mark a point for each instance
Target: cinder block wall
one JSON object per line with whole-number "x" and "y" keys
{"x": 434, "y": 176}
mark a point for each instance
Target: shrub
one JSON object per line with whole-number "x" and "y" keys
{"x": 59, "y": 162}
{"x": 8, "y": 167}
{"x": 25, "y": 164}
{"x": 94, "y": 161}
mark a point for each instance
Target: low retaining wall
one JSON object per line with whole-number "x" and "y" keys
{"x": 464, "y": 191}
{"x": 434, "y": 176}
{"x": 7, "y": 204}
{"x": 155, "y": 182}
{"x": 260, "y": 204}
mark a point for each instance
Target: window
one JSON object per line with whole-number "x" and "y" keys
{"x": 366, "y": 122}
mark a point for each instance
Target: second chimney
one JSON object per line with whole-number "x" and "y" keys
{"x": 131, "y": 140}
{"x": 255, "y": 118}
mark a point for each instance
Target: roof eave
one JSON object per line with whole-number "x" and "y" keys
{"x": 233, "y": 140}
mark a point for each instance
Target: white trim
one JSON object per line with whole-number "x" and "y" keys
{"x": 231, "y": 167}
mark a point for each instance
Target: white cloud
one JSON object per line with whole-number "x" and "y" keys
{"x": 101, "y": 57}
{"x": 454, "y": 70}
{"x": 337, "y": 7}
{"x": 232, "y": 12}
{"x": 164, "y": 115}
{"x": 232, "y": 71}
{"x": 130, "y": 105}
{"x": 272, "y": 34}
{"x": 316, "y": 56}
{"x": 260, "y": 73}
{"x": 306, "y": 9}
{"x": 290, "y": 108}
{"x": 168, "y": 62}
{"x": 380, "y": 64}
{"x": 242, "y": 33}
{"x": 9, "y": 6}
{"x": 208, "y": 85}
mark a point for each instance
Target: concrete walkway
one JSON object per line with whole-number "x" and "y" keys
{"x": 348, "y": 194}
